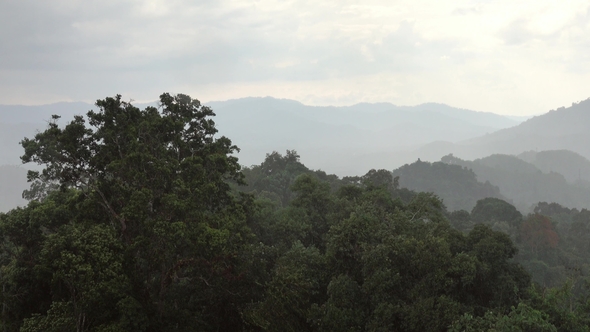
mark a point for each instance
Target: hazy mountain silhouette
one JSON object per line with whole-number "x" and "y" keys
{"x": 523, "y": 183}
{"x": 564, "y": 128}
{"x": 574, "y": 167}
{"x": 339, "y": 139}
{"x": 561, "y": 129}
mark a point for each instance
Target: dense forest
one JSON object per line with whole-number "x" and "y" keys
{"x": 143, "y": 220}
{"x": 457, "y": 186}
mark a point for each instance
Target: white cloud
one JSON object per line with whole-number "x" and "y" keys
{"x": 499, "y": 55}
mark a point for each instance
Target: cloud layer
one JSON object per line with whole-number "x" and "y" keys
{"x": 511, "y": 57}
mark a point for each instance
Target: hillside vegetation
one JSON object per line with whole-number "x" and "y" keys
{"x": 143, "y": 220}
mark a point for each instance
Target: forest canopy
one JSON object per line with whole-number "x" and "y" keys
{"x": 143, "y": 220}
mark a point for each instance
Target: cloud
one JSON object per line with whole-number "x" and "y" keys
{"x": 210, "y": 43}
{"x": 467, "y": 10}
{"x": 475, "y": 54}
{"x": 517, "y": 33}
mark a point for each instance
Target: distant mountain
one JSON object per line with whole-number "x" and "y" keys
{"x": 523, "y": 183}
{"x": 564, "y": 128}
{"x": 572, "y": 166}
{"x": 38, "y": 114}
{"x": 485, "y": 119}
{"x": 337, "y": 139}
{"x": 326, "y": 136}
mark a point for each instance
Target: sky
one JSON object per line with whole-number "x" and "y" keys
{"x": 506, "y": 56}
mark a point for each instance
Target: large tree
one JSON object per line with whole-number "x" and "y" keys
{"x": 153, "y": 235}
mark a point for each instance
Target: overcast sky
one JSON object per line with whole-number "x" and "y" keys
{"x": 508, "y": 57}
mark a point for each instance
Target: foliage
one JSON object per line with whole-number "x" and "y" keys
{"x": 141, "y": 221}
{"x": 274, "y": 177}
{"x": 457, "y": 186}
{"x": 538, "y": 233}
{"x": 490, "y": 210}
{"x": 151, "y": 232}
{"x": 522, "y": 318}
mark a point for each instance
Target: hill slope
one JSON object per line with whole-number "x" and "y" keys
{"x": 523, "y": 183}
{"x": 335, "y": 138}
{"x": 564, "y": 128}
{"x": 574, "y": 167}
{"x": 456, "y": 185}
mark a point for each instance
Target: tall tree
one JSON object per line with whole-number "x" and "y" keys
{"x": 159, "y": 179}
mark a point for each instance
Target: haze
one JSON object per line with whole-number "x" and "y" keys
{"x": 294, "y": 165}
{"x": 506, "y": 57}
